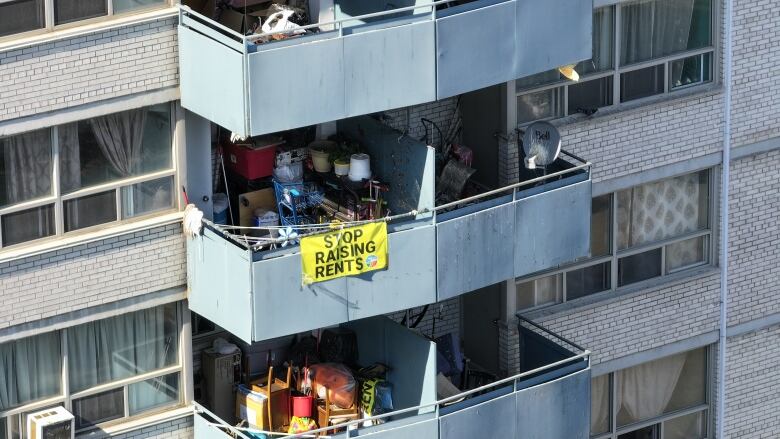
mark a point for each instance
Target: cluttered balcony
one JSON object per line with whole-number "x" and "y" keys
{"x": 257, "y": 67}
{"x": 379, "y": 223}
{"x": 377, "y": 378}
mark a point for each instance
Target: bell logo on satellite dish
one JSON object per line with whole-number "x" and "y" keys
{"x": 541, "y": 144}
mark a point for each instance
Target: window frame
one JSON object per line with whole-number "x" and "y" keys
{"x": 66, "y": 398}
{"x": 58, "y": 199}
{"x": 706, "y": 408}
{"x": 617, "y": 70}
{"x": 49, "y": 26}
{"x": 616, "y": 255}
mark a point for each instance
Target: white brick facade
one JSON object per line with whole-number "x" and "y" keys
{"x": 175, "y": 429}
{"x": 753, "y": 385}
{"x": 754, "y": 238}
{"x": 75, "y": 71}
{"x": 91, "y": 274}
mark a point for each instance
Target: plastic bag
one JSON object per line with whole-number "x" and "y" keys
{"x": 337, "y": 380}
{"x": 289, "y": 173}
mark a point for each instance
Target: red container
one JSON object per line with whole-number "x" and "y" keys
{"x": 302, "y": 406}
{"x": 253, "y": 160}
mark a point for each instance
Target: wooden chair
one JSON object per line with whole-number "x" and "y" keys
{"x": 278, "y": 400}
{"x": 329, "y": 414}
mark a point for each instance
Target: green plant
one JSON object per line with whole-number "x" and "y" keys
{"x": 344, "y": 151}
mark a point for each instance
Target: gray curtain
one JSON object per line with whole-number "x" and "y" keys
{"x": 652, "y": 29}
{"x": 28, "y": 167}
{"x": 120, "y": 137}
{"x": 70, "y": 157}
{"x": 30, "y": 369}
{"x": 121, "y": 347}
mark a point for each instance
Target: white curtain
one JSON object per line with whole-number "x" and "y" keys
{"x": 121, "y": 347}
{"x": 27, "y": 160}
{"x": 120, "y": 137}
{"x": 30, "y": 369}
{"x": 599, "y": 404}
{"x": 654, "y": 28}
{"x": 645, "y": 390}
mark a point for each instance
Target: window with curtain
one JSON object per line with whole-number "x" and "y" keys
{"x": 117, "y": 368}
{"x": 661, "y": 228}
{"x": 30, "y": 370}
{"x": 664, "y": 46}
{"x": 113, "y": 167}
{"x": 21, "y": 16}
{"x": 670, "y": 393}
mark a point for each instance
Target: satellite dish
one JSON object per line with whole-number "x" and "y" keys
{"x": 541, "y": 144}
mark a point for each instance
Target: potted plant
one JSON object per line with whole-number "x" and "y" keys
{"x": 320, "y": 151}
{"x": 341, "y": 155}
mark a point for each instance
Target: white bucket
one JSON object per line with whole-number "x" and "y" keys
{"x": 359, "y": 167}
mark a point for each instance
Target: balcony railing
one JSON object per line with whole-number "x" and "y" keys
{"x": 350, "y": 67}
{"x": 548, "y": 398}
{"x": 435, "y": 252}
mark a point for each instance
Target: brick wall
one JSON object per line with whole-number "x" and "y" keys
{"x": 648, "y": 137}
{"x": 176, "y": 429}
{"x": 638, "y": 322}
{"x": 446, "y": 315}
{"x": 91, "y": 274}
{"x": 754, "y": 238}
{"x": 756, "y": 91}
{"x": 442, "y": 113}
{"x": 752, "y": 385}
{"x": 75, "y": 71}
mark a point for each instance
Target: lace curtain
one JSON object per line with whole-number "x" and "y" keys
{"x": 660, "y": 210}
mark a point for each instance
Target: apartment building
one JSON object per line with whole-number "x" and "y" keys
{"x": 582, "y": 298}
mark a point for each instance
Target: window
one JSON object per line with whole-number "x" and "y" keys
{"x": 661, "y": 399}
{"x": 116, "y": 368}
{"x": 639, "y": 233}
{"x": 662, "y": 46}
{"x": 110, "y": 168}
{"x": 19, "y": 16}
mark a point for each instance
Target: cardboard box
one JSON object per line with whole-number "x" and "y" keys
{"x": 252, "y": 404}
{"x": 251, "y": 407}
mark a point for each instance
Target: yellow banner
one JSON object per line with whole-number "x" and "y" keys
{"x": 344, "y": 252}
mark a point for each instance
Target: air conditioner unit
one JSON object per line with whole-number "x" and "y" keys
{"x": 53, "y": 423}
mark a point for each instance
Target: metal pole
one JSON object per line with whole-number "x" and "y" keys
{"x": 724, "y": 227}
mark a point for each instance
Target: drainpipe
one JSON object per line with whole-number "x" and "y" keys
{"x": 724, "y": 226}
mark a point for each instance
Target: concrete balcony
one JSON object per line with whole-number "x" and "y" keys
{"x": 550, "y": 397}
{"x": 374, "y": 62}
{"x": 514, "y": 231}
{"x": 442, "y": 252}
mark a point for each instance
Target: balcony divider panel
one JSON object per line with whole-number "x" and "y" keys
{"x": 296, "y": 82}
{"x": 211, "y": 75}
{"x": 389, "y": 64}
{"x": 552, "y": 228}
{"x": 407, "y": 164}
{"x": 219, "y": 287}
{"x": 475, "y": 46}
{"x": 412, "y": 360}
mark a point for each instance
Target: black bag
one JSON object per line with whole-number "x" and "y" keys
{"x": 339, "y": 345}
